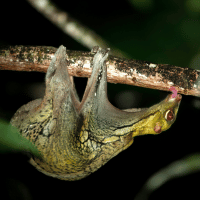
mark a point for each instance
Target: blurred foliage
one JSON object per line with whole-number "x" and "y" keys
{"x": 143, "y": 5}
{"x": 12, "y": 141}
{"x": 158, "y": 31}
{"x": 179, "y": 168}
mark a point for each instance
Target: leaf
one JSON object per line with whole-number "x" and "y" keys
{"x": 11, "y": 140}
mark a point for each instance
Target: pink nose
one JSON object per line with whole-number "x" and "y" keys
{"x": 173, "y": 97}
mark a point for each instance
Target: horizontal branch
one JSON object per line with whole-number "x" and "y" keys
{"x": 125, "y": 71}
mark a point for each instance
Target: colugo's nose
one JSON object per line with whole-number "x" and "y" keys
{"x": 173, "y": 97}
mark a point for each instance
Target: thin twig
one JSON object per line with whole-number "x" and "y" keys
{"x": 125, "y": 71}
{"x": 71, "y": 26}
{"x": 180, "y": 168}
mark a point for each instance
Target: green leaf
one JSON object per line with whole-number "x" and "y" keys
{"x": 11, "y": 140}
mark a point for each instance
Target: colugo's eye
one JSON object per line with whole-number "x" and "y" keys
{"x": 169, "y": 115}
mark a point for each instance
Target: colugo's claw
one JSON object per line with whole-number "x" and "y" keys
{"x": 76, "y": 138}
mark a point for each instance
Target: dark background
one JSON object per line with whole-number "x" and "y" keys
{"x": 159, "y": 31}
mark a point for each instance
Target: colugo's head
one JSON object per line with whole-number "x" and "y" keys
{"x": 159, "y": 117}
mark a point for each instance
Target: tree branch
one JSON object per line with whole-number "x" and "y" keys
{"x": 125, "y": 71}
